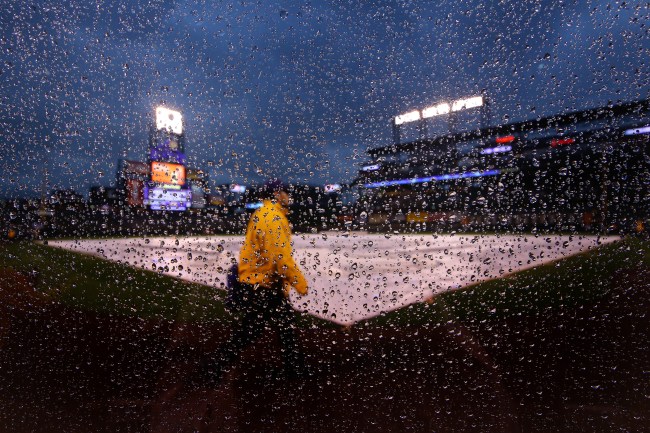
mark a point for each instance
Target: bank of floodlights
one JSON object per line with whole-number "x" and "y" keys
{"x": 169, "y": 120}
{"x": 440, "y": 109}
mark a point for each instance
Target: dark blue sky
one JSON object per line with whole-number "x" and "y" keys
{"x": 285, "y": 89}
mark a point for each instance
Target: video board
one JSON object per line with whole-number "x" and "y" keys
{"x": 159, "y": 198}
{"x": 167, "y": 173}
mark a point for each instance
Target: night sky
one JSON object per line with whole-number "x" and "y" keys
{"x": 296, "y": 90}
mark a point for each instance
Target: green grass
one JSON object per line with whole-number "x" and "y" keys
{"x": 567, "y": 283}
{"x": 91, "y": 284}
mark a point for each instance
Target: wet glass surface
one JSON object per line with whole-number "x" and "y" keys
{"x": 439, "y": 214}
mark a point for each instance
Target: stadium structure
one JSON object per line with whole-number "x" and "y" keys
{"x": 164, "y": 182}
{"x": 586, "y": 171}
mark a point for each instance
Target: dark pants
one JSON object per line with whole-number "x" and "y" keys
{"x": 262, "y": 308}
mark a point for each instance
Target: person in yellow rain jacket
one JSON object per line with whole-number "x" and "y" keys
{"x": 266, "y": 258}
{"x": 267, "y": 274}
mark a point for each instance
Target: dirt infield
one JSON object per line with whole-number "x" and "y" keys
{"x": 583, "y": 369}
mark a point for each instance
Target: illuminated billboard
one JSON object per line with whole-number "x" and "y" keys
{"x": 556, "y": 142}
{"x": 497, "y": 149}
{"x": 165, "y": 172}
{"x": 371, "y": 167}
{"x": 168, "y": 199}
{"x": 169, "y": 120}
{"x": 637, "y": 131}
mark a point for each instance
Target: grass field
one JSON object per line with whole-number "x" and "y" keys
{"x": 91, "y": 284}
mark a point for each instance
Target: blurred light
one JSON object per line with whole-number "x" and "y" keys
{"x": 466, "y": 103}
{"x": 561, "y": 141}
{"x": 436, "y": 110}
{"x": 253, "y": 205}
{"x": 498, "y": 149}
{"x": 237, "y": 188}
{"x": 373, "y": 167}
{"x": 169, "y": 206}
{"x": 638, "y": 131}
{"x": 169, "y": 120}
{"x": 440, "y": 177}
{"x": 332, "y": 187}
{"x": 411, "y": 116}
{"x": 506, "y": 139}
{"x": 194, "y": 174}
